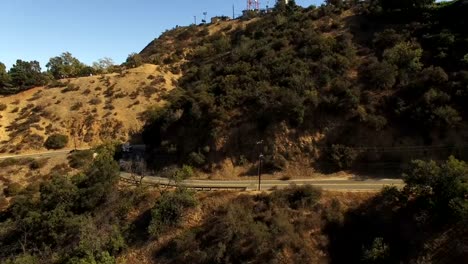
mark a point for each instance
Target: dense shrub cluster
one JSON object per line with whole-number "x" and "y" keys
{"x": 168, "y": 211}
{"x": 423, "y": 223}
{"x": 70, "y": 220}
{"x": 56, "y": 141}
{"x": 253, "y": 229}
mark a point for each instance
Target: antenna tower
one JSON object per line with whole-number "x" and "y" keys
{"x": 253, "y": 4}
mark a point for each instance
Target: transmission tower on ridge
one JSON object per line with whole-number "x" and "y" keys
{"x": 253, "y": 5}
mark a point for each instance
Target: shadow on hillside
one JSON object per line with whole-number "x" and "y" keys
{"x": 385, "y": 230}
{"x": 139, "y": 229}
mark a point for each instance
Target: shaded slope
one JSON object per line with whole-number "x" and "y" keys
{"x": 307, "y": 79}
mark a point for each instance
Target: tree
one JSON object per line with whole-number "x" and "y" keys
{"x": 25, "y": 74}
{"x": 5, "y": 81}
{"x": 342, "y": 156}
{"x": 4, "y": 78}
{"x": 103, "y": 65}
{"x": 134, "y": 60}
{"x": 65, "y": 66}
{"x": 60, "y": 191}
{"x": 443, "y": 188}
{"x": 56, "y": 141}
{"x": 281, "y": 6}
{"x": 100, "y": 178}
{"x": 407, "y": 57}
{"x": 447, "y": 115}
{"x": 379, "y": 75}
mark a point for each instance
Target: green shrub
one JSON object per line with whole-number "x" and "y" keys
{"x": 379, "y": 75}
{"x": 8, "y": 162}
{"x": 12, "y": 189}
{"x": 342, "y": 156}
{"x": 148, "y": 91}
{"x": 76, "y": 106}
{"x": 377, "y": 253}
{"x": 37, "y": 164}
{"x": 56, "y": 141}
{"x": 448, "y": 115}
{"x": 196, "y": 158}
{"x": 297, "y": 197}
{"x": 23, "y": 259}
{"x": 465, "y": 59}
{"x": 56, "y": 83}
{"x": 70, "y": 88}
{"x": 134, "y": 60}
{"x": 185, "y": 172}
{"x": 169, "y": 209}
{"x": 80, "y": 158}
{"x": 407, "y": 57}
{"x": 376, "y": 121}
{"x": 95, "y": 101}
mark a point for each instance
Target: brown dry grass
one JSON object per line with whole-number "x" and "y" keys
{"x": 42, "y": 111}
{"x": 227, "y": 170}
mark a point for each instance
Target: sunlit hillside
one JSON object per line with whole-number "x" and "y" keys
{"x": 88, "y": 109}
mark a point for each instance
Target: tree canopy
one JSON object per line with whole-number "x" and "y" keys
{"x": 4, "y": 77}
{"x": 65, "y": 66}
{"x": 24, "y": 74}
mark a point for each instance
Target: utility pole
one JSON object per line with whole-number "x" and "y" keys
{"x": 233, "y": 13}
{"x": 260, "y": 162}
{"x": 195, "y": 19}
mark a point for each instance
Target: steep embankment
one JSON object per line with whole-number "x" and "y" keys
{"x": 332, "y": 87}
{"x": 88, "y": 109}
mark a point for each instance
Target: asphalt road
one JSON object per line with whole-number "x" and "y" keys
{"x": 326, "y": 184}
{"x": 251, "y": 184}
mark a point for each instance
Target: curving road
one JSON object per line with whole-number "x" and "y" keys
{"x": 327, "y": 184}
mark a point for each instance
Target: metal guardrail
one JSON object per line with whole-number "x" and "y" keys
{"x": 192, "y": 187}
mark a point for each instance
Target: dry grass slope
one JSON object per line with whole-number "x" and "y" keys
{"x": 89, "y": 109}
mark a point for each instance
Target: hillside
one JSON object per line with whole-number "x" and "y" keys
{"x": 342, "y": 86}
{"x": 367, "y": 86}
{"x": 88, "y": 109}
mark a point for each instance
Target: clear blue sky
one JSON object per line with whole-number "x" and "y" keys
{"x": 93, "y": 29}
